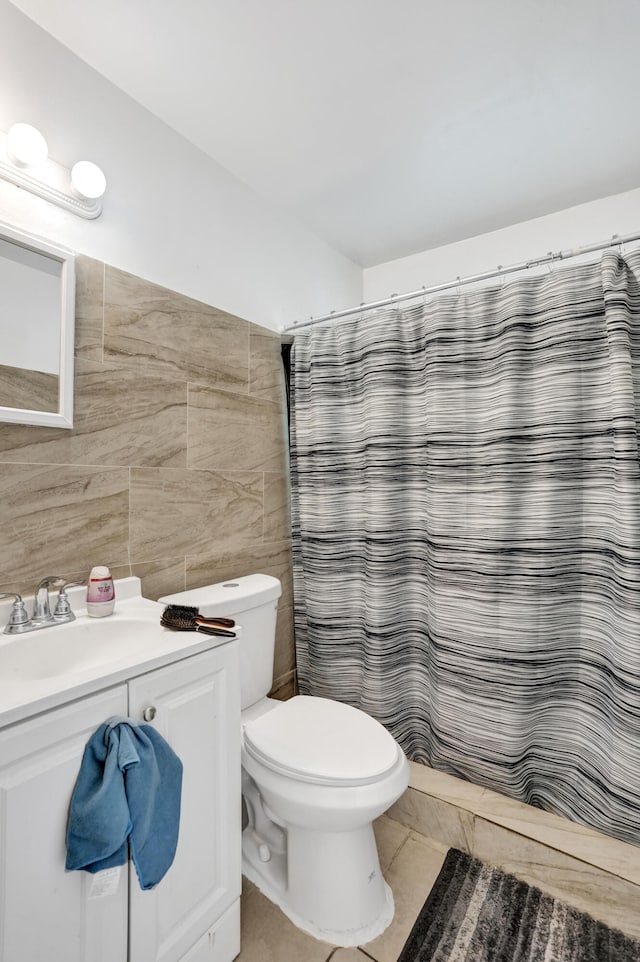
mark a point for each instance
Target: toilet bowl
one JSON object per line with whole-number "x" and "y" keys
{"x": 315, "y": 775}
{"x": 320, "y": 772}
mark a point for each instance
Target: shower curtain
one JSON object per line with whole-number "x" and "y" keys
{"x": 466, "y": 523}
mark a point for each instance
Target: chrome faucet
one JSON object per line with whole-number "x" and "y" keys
{"x": 19, "y": 621}
{"x": 41, "y": 611}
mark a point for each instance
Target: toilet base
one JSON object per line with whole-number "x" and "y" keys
{"x": 328, "y": 883}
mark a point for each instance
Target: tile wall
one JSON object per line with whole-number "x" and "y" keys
{"x": 594, "y": 873}
{"x": 175, "y": 469}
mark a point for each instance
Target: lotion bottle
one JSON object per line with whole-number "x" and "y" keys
{"x": 101, "y": 597}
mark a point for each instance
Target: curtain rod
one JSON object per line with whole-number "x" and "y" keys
{"x": 472, "y": 279}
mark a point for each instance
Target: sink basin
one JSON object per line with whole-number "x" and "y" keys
{"x": 49, "y": 666}
{"x": 76, "y": 646}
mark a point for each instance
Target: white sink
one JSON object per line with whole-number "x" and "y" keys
{"x": 46, "y": 667}
{"x": 75, "y": 647}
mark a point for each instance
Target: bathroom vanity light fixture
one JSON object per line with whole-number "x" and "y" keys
{"x": 25, "y": 162}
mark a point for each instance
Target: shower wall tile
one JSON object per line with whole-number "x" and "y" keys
{"x": 610, "y": 854}
{"x": 435, "y": 818}
{"x": 450, "y": 789}
{"x": 27, "y": 584}
{"x": 61, "y": 517}
{"x": 89, "y": 308}
{"x": 177, "y": 512}
{"x": 277, "y": 520}
{"x": 285, "y": 656}
{"x": 265, "y": 365}
{"x": 123, "y": 416}
{"x": 120, "y": 489}
{"x": 159, "y": 578}
{"x": 243, "y": 433}
{"x": 284, "y": 687}
{"x": 150, "y": 328}
{"x": 218, "y": 564}
{"x": 604, "y": 896}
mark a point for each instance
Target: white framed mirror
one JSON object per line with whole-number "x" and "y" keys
{"x": 37, "y": 320}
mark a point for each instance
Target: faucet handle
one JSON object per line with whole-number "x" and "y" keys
{"x": 63, "y": 610}
{"x": 18, "y": 614}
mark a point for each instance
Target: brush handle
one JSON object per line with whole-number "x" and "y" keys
{"x": 214, "y": 622}
{"x": 211, "y": 630}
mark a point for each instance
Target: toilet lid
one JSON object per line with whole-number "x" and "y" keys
{"x": 318, "y": 740}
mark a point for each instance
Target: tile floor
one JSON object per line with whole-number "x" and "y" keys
{"x": 410, "y": 863}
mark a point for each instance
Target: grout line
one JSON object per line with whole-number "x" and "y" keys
{"x": 365, "y": 953}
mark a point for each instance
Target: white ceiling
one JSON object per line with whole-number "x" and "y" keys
{"x": 386, "y": 126}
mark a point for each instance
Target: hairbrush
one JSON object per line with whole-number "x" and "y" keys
{"x": 184, "y": 618}
{"x": 187, "y": 611}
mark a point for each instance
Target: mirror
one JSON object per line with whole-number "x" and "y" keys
{"x": 37, "y": 308}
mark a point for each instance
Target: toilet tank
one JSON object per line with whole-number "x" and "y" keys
{"x": 252, "y": 602}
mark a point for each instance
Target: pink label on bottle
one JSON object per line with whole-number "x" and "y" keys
{"x": 100, "y": 590}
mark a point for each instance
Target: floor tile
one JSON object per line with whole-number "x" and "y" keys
{"x": 268, "y": 936}
{"x": 411, "y": 876}
{"x": 390, "y": 837}
{"x": 350, "y": 955}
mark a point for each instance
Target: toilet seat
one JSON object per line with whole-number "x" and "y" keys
{"x": 321, "y": 741}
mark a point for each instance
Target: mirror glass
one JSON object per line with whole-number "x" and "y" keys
{"x": 37, "y": 296}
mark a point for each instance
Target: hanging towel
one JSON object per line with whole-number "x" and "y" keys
{"x": 127, "y": 794}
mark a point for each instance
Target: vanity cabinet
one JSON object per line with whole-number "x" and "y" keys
{"x": 48, "y": 914}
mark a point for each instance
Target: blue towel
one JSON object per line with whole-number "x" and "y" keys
{"x": 127, "y": 794}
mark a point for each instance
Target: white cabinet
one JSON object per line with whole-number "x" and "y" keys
{"x": 197, "y": 703}
{"x": 48, "y": 914}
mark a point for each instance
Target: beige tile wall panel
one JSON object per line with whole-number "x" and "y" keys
{"x": 241, "y": 432}
{"x": 122, "y": 416}
{"x": 594, "y": 873}
{"x": 604, "y": 896}
{"x": 55, "y": 518}
{"x": 151, "y": 328}
{"x": 265, "y": 365}
{"x": 217, "y": 565}
{"x": 277, "y": 519}
{"x": 177, "y": 512}
{"x": 163, "y": 577}
{"x": 89, "y": 308}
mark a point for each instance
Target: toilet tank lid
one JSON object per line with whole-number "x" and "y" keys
{"x": 232, "y": 595}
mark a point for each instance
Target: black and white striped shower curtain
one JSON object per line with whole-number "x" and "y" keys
{"x": 466, "y": 512}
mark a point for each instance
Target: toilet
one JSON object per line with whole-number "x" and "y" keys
{"x": 315, "y": 775}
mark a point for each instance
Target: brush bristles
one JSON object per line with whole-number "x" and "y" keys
{"x": 180, "y": 618}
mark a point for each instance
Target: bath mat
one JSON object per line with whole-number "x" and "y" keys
{"x": 475, "y": 913}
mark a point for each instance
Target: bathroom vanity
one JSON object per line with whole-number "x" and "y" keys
{"x": 184, "y": 683}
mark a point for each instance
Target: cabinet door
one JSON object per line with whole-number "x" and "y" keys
{"x": 45, "y": 911}
{"x": 197, "y": 704}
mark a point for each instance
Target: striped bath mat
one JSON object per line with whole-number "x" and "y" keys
{"x": 478, "y": 914}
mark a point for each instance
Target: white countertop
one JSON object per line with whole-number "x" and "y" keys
{"x": 43, "y": 669}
